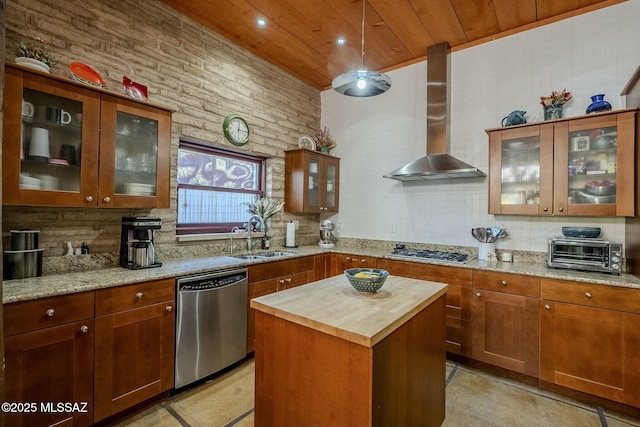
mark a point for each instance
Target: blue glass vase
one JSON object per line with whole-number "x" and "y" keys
{"x": 598, "y": 105}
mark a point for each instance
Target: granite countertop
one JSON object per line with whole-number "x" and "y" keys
{"x": 61, "y": 284}
{"x": 333, "y": 307}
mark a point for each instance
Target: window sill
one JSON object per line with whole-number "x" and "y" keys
{"x": 216, "y": 236}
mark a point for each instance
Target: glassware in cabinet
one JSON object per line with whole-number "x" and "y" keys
{"x": 592, "y": 166}
{"x": 135, "y": 159}
{"x": 51, "y": 138}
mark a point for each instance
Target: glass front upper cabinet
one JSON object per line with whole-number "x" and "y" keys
{"x": 70, "y": 144}
{"x": 51, "y": 142}
{"x": 520, "y": 159}
{"x": 135, "y": 157}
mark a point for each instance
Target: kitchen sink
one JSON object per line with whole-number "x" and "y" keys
{"x": 275, "y": 254}
{"x": 247, "y": 256}
{"x": 264, "y": 255}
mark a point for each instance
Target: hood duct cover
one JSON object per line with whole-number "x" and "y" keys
{"x": 438, "y": 163}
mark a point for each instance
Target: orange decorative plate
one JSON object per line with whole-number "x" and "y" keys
{"x": 85, "y": 74}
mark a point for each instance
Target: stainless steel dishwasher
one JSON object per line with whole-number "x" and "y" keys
{"x": 211, "y": 323}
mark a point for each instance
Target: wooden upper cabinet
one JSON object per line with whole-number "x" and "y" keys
{"x": 581, "y": 166}
{"x": 70, "y": 144}
{"x": 312, "y": 182}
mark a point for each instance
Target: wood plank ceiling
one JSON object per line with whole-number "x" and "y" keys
{"x": 300, "y": 35}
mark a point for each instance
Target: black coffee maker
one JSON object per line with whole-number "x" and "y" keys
{"x": 136, "y": 242}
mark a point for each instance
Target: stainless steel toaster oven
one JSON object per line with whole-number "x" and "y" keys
{"x": 585, "y": 254}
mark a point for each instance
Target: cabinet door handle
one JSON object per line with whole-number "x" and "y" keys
{"x": 281, "y": 281}
{"x": 84, "y": 329}
{"x": 89, "y": 198}
{"x": 169, "y": 308}
{"x": 107, "y": 199}
{"x": 347, "y": 259}
{"x": 363, "y": 261}
{"x": 545, "y": 209}
{"x": 547, "y": 307}
{"x": 560, "y": 209}
{"x": 50, "y": 312}
{"x": 479, "y": 295}
{"x": 503, "y": 283}
{"x": 587, "y": 294}
{"x": 139, "y": 295}
{"x": 289, "y": 280}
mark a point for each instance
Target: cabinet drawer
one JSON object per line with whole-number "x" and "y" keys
{"x": 507, "y": 282}
{"x": 592, "y": 295}
{"x": 42, "y": 313}
{"x": 399, "y": 268}
{"x": 450, "y": 275}
{"x": 137, "y": 295}
{"x": 275, "y": 269}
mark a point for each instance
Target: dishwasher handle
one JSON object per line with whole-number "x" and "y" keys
{"x": 208, "y": 281}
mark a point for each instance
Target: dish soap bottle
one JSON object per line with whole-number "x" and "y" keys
{"x": 265, "y": 241}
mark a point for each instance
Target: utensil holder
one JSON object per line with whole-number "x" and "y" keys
{"x": 484, "y": 249}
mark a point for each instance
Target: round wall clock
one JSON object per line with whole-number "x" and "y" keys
{"x": 236, "y": 129}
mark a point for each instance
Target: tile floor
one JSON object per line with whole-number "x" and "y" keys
{"x": 474, "y": 398}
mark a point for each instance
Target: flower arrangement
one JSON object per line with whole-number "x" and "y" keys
{"x": 324, "y": 140}
{"x": 264, "y": 207}
{"x": 37, "y": 51}
{"x": 556, "y": 98}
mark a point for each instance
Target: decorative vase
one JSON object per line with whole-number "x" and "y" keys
{"x": 598, "y": 105}
{"x": 324, "y": 150}
{"x": 553, "y": 111}
{"x": 32, "y": 63}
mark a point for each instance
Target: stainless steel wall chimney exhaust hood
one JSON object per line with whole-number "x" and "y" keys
{"x": 437, "y": 164}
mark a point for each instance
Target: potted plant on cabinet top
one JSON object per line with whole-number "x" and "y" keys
{"x": 553, "y": 103}
{"x": 324, "y": 141}
{"x": 35, "y": 55}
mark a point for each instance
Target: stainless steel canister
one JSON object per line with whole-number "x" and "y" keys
{"x": 24, "y": 240}
{"x": 22, "y": 264}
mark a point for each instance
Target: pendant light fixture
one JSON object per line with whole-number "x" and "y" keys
{"x": 362, "y": 82}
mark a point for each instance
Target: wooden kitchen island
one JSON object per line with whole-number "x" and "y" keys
{"x": 326, "y": 355}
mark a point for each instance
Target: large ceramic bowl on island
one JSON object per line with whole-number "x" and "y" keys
{"x": 366, "y": 279}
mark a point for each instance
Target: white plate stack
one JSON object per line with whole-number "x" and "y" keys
{"x": 138, "y": 189}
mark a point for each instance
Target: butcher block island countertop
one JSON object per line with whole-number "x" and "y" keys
{"x": 328, "y": 355}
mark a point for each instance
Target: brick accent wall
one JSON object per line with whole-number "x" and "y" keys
{"x": 186, "y": 67}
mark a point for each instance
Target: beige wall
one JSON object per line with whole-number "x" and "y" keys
{"x": 187, "y": 68}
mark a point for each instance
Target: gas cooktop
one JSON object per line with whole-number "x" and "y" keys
{"x": 407, "y": 253}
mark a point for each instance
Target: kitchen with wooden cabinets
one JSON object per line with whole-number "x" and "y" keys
{"x": 202, "y": 87}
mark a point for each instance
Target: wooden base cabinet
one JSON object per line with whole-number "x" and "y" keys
{"x": 49, "y": 360}
{"x": 506, "y": 321}
{"x": 459, "y": 301}
{"x": 275, "y": 276}
{"x": 135, "y": 340}
{"x": 342, "y": 262}
{"x": 590, "y": 339}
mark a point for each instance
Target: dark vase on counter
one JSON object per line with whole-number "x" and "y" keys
{"x": 598, "y": 104}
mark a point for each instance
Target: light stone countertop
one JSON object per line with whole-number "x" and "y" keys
{"x": 61, "y": 284}
{"x": 333, "y": 307}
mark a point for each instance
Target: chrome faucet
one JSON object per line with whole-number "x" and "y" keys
{"x": 248, "y": 228}
{"x": 234, "y": 230}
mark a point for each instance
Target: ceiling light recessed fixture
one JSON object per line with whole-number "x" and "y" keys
{"x": 362, "y": 82}
{"x": 261, "y": 22}
{"x": 340, "y": 41}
